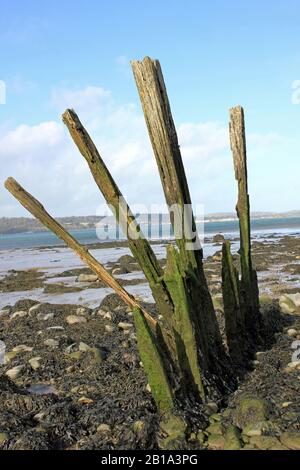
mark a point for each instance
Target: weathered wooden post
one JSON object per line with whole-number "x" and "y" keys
{"x": 241, "y": 297}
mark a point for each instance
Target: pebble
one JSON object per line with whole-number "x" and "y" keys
{"x": 9, "y": 356}
{"x": 259, "y": 355}
{"x": 22, "y": 348}
{"x": 43, "y": 316}
{"x": 39, "y": 416}
{"x": 34, "y": 308}
{"x": 286, "y": 404}
{"x": 14, "y": 372}
{"x": 101, "y": 313}
{"x": 74, "y": 319}
{"x": 291, "y": 332}
{"x": 107, "y": 316}
{"x": 56, "y": 328}
{"x": 76, "y": 355}
{"x": 293, "y": 365}
{"x": 148, "y": 388}
{"x": 125, "y": 326}
{"x": 109, "y": 328}
{"x": 253, "y": 430}
{"x": 212, "y": 407}
{"x": 35, "y": 362}
{"x": 83, "y": 347}
{"x": 215, "y": 428}
{"x": 103, "y": 428}
{"x": 85, "y": 400}
{"x": 216, "y": 442}
{"x": 69, "y": 349}
{"x": 51, "y": 343}
{"x": 81, "y": 311}
{"x": 19, "y": 314}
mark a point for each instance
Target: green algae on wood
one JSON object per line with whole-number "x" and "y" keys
{"x": 249, "y": 286}
{"x": 153, "y": 364}
{"x": 185, "y": 335}
{"x": 234, "y": 323}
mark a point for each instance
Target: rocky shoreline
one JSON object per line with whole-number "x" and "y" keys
{"x": 73, "y": 379}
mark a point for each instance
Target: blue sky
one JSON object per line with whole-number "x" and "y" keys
{"x": 213, "y": 54}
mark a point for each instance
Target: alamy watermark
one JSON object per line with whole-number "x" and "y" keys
{"x": 152, "y": 222}
{"x": 2, "y": 92}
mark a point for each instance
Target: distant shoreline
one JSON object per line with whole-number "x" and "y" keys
{"x": 19, "y": 225}
{"x": 261, "y": 227}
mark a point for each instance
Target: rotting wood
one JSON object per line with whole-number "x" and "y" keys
{"x": 162, "y": 132}
{"x": 249, "y": 288}
{"x": 234, "y": 322}
{"x": 200, "y": 314}
{"x": 153, "y": 364}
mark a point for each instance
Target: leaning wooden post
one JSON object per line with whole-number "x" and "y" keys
{"x": 195, "y": 309}
{"x": 138, "y": 244}
{"x": 248, "y": 280}
{"x": 38, "y": 211}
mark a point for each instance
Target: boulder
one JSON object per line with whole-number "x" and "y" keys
{"x": 14, "y": 372}
{"x": 290, "y": 303}
{"x": 291, "y": 440}
{"x": 218, "y": 238}
{"x": 250, "y": 411}
{"x": 232, "y": 439}
{"x": 74, "y": 319}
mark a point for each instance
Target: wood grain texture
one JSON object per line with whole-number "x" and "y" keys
{"x": 238, "y": 147}
{"x": 162, "y": 132}
{"x": 249, "y": 294}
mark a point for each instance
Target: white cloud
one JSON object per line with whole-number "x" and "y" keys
{"x": 46, "y": 162}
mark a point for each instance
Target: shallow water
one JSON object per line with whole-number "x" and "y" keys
{"x": 41, "y": 389}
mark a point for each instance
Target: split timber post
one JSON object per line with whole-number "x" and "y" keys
{"x": 241, "y": 297}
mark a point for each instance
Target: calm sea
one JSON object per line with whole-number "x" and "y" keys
{"x": 87, "y": 236}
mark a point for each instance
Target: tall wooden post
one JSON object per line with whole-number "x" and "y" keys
{"x": 249, "y": 288}
{"x": 201, "y": 339}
